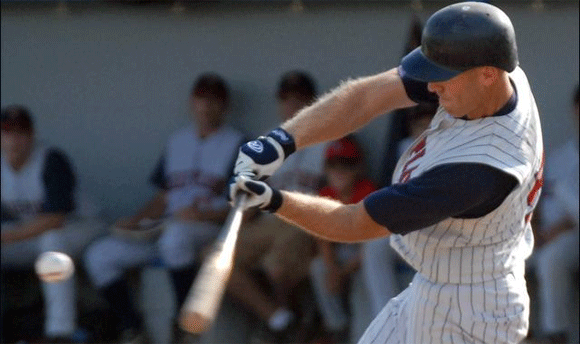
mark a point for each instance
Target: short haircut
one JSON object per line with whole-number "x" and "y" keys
{"x": 211, "y": 85}
{"x": 17, "y": 118}
{"x": 297, "y": 82}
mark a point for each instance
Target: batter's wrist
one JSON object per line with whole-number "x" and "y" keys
{"x": 285, "y": 140}
{"x": 275, "y": 201}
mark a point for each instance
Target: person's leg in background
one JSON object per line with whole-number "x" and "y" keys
{"x": 106, "y": 262}
{"x": 556, "y": 263}
{"x": 360, "y": 306}
{"x": 181, "y": 247}
{"x": 255, "y": 241}
{"x": 287, "y": 266}
{"x": 380, "y": 272}
{"x": 331, "y": 306}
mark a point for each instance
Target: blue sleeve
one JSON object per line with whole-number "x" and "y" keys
{"x": 59, "y": 183}
{"x": 158, "y": 176}
{"x": 417, "y": 90}
{"x": 465, "y": 190}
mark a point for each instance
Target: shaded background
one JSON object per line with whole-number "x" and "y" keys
{"x": 109, "y": 81}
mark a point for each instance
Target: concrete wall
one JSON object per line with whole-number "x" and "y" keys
{"x": 108, "y": 84}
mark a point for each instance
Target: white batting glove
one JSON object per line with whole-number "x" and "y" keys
{"x": 261, "y": 157}
{"x": 259, "y": 193}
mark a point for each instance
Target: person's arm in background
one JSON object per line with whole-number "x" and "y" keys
{"x": 59, "y": 182}
{"x": 219, "y": 208}
{"x": 154, "y": 209}
{"x": 348, "y": 108}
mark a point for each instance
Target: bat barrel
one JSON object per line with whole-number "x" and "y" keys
{"x": 204, "y": 297}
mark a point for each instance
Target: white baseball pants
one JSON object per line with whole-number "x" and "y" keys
{"x": 178, "y": 246}
{"x": 59, "y": 298}
{"x": 492, "y": 312}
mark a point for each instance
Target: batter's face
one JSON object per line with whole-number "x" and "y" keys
{"x": 463, "y": 95}
{"x": 17, "y": 146}
{"x": 208, "y": 112}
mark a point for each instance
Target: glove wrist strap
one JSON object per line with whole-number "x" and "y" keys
{"x": 285, "y": 140}
{"x": 275, "y": 202}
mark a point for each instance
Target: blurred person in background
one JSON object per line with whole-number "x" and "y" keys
{"x": 42, "y": 211}
{"x": 269, "y": 245}
{"x": 190, "y": 178}
{"x": 557, "y": 240}
{"x": 334, "y": 270}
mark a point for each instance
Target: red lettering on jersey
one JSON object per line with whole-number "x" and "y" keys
{"x": 417, "y": 152}
{"x": 533, "y": 194}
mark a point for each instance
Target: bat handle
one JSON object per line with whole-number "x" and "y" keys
{"x": 240, "y": 200}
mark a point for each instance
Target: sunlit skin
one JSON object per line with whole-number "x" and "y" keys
{"x": 475, "y": 93}
{"x": 17, "y": 147}
{"x": 208, "y": 113}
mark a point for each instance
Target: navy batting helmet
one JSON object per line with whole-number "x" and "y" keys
{"x": 460, "y": 37}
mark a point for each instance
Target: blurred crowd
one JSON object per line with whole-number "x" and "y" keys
{"x": 293, "y": 287}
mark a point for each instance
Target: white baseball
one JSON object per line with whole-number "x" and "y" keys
{"x": 54, "y": 267}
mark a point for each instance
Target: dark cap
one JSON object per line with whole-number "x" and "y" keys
{"x": 16, "y": 118}
{"x": 460, "y": 37}
{"x": 211, "y": 85}
{"x": 297, "y": 82}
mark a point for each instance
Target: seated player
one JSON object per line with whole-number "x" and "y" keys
{"x": 190, "y": 178}
{"x": 40, "y": 213}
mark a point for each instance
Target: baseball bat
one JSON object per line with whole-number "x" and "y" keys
{"x": 204, "y": 297}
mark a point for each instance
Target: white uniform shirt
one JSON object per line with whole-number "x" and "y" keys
{"x": 196, "y": 169}
{"x": 484, "y": 248}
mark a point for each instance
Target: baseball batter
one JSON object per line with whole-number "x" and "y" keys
{"x": 462, "y": 195}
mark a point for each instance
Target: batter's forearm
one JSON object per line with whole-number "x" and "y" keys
{"x": 347, "y": 108}
{"x": 329, "y": 219}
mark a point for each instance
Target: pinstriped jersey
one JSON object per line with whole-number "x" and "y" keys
{"x": 458, "y": 250}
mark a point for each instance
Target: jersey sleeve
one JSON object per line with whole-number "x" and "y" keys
{"x": 158, "y": 178}
{"x": 461, "y": 190}
{"x": 417, "y": 90}
{"x": 59, "y": 181}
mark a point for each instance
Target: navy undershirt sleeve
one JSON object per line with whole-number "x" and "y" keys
{"x": 417, "y": 90}
{"x": 158, "y": 176}
{"x": 59, "y": 182}
{"x": 465, "y": 190}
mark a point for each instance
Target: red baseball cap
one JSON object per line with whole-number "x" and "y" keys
{"x": 345, "y": 148}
